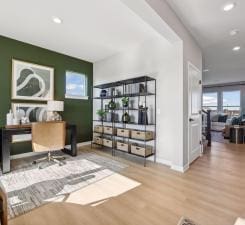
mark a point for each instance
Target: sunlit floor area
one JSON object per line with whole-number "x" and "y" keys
{"x": 212, "y": 192}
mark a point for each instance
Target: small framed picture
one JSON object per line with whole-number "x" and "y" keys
{"x": 31, "y": 81}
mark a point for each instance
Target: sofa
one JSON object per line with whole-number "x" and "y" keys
{"x": 218, "y": 121}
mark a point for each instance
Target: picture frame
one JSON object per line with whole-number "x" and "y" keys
{"x": 34, "y": 112}
{"x": 32, "y": 81}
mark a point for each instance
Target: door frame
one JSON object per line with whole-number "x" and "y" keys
{"x": 189, "y": 64}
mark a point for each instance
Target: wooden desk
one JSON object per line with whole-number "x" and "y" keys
{"x": 6, "y": 140}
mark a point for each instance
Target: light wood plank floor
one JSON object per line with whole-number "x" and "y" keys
{"x": 212, "y": 192}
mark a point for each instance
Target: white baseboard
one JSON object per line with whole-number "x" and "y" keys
{"x": 79, "y": 144}
{"x": 29, "y": 154}
{"x": 164, "y": 162}
{"x": 181, "y": 169}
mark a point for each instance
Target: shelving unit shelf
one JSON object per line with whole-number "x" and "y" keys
{"x": 140, "y": 140}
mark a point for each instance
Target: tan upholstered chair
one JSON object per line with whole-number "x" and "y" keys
{"x": 48, "y": 137}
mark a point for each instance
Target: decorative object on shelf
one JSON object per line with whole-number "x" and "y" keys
{"x": 103, "y": 93}
{"x": 53, "y": 108}
{"x": 117, "y": 92}
{"x": 125, "y": 118}
{"x": 32, "y": 82}
{"x": 9, "y": 118}
{"x": 111, "y": 117}
{"x": 112, "y": 105}
{"x": 112, "y": 91}
{"x": 125, "y": 101}
{"x": 142, "y": 88}
{"x": 101, "y": 113}
{"x": 143, "y": 116}
{"x": 25, "y": 120}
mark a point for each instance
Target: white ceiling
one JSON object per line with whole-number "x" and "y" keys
{"x": 91, "y": 30}
{"x": 210, "y": 26}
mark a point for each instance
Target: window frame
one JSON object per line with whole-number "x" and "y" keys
{"x": 227, "y": 107}
{"x": 217, "y": 96}
{"x": 85, "y": 97}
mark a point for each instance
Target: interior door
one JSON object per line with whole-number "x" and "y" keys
{"x": 195, "y": 116}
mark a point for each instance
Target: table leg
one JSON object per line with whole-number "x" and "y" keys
{"x": 6, "y": 140}
{"x": 74, "y": 141}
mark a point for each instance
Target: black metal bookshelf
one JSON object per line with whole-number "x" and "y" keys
{"x": 115, "y": 123}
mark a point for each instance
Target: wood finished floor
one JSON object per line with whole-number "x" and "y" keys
{"x": 212, "y": 192}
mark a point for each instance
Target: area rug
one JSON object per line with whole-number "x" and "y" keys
{"x": 217, "y": 136}
{"x": 185, "y": 221}
{"x": 28, "y": 187}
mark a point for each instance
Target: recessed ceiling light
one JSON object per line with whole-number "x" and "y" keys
{"x": 229, "y": 6}
{"x": 236, "y": 48}
{"x": 206, "y": 70}
{"x": 234, "y": 32}
{"x": 57, "y": 20}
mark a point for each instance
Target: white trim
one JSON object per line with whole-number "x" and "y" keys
{"x": 189, "y": 114}
{"x": 181, "y": 169}
{"x": 161, "y": 161}
{"x": 79, "y": 144}
{"x": 76, "y": 97}
{"x": 29, "y": 154}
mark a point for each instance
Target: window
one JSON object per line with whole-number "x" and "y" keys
{"x": 210, "y": 101}
{"x": 231, "y": 102}
{"x": 76, "y": 85}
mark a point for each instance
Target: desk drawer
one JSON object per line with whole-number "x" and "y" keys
{"x": 142, "y": 135}
{"x": 123, "y": 146}
{"x": 141, "y": 150}
{"x": 123, "y": 132}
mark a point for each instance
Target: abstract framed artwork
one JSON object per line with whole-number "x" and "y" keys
{"x": 34, "y": 112}
{"x": 31, "y": 81}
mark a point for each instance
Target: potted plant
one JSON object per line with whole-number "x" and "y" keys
{"x": 125, "y": 101}
{"x": 101, "y": 113}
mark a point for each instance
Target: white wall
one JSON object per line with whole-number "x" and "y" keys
{"x": 162, "y": 60}
{"x": 192, "y": 53}
{"x": 171, "y": 65}
{"x": 211, "y": 77}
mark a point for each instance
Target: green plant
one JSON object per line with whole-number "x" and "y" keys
{"x": 125, "y": 101}
{"x": 112, "y": 105}
{"x": 101, "y": 113}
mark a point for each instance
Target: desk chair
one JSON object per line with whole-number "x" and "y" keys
{"x": 48, "y": 137}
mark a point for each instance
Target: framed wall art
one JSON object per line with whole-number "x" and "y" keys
{"x": 34, "y": 112}
{"x": 31, "y": 81}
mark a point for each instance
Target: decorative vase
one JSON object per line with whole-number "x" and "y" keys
{"x": 112, "y": 105}
{"x": 125, "y": 118}
{"x": 103, "y": 93}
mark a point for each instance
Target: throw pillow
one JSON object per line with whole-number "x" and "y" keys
{"x": 215, "y": 118}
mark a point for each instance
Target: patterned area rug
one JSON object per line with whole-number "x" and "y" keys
{"x": 29, "y": 187}
{"x": 185, "y": 221}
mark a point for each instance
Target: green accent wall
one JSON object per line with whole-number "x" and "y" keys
{"x": 77, "y": 112}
